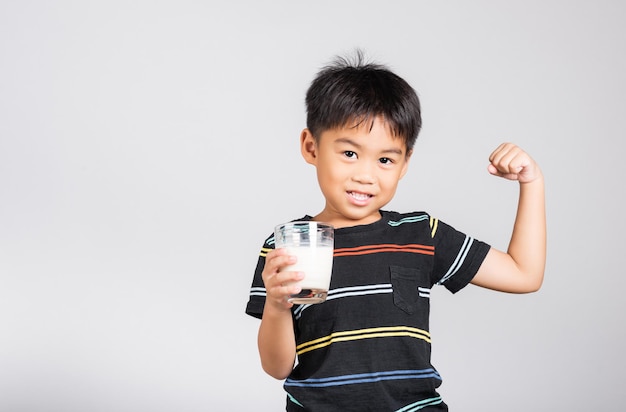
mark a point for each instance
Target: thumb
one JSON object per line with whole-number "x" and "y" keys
{"x": 509, "y": 176}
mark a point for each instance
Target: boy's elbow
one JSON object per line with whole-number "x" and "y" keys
{"x": 537, "y": 286}
{"x": 534, "y": 285}
{"x": 278, "y": 367}
{"x": 276, "y": 373}
{"x": 534, "y": 288}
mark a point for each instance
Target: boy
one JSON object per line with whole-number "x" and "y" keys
{"x": 367, "y": 348}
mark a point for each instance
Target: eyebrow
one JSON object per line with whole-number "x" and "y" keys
{"x": 358, "y": 146}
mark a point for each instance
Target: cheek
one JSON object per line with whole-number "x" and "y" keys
{"x": 331, "y": 172}
{"x": 391, "y": 181}
{"x": 327, "y": 176}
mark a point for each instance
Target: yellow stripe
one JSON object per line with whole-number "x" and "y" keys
{"x": 434, "y": 223}
{"x": 363, "y": 334}
{"x": 362, "y": 331}
{"x": 265, "y": 251}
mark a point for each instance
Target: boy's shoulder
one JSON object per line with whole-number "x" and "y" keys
{"x": 392, "y": 217}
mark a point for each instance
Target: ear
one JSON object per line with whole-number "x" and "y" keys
{"x": 405, "y": 167}
{"x": 308, "y": 147}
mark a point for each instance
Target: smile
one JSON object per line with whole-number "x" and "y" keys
{"x": 359, "y": 196}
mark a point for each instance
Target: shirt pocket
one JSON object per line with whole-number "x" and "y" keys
{"x": 408, "y": 293}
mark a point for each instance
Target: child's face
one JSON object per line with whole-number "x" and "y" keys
{"x": 358, "y": 171}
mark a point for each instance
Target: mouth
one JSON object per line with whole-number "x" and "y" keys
{"x": 360, "y": 197}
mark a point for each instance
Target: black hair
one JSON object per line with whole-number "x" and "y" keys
{"x": 350, "y": 92}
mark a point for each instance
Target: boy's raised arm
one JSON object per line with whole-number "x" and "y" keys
{"x": 521, "y": 268}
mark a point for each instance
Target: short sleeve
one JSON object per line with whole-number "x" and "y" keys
{"x": 457, "y": 256}
{"x": 256, "y": 300}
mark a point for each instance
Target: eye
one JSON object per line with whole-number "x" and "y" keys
{"x": 385, "y": 160}
{"x": 349, "y": 154}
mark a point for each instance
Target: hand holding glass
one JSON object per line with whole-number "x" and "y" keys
{"x": 312, "y": 243}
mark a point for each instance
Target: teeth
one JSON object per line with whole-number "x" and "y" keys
{"x": 359, "y": 196}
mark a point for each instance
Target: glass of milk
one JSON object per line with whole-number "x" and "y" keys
{"x": 312, "y": 243}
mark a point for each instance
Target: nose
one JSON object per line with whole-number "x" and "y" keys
{"x": 364, "y": 174}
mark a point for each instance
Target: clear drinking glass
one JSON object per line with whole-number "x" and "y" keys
{"x": 312, "y": 243}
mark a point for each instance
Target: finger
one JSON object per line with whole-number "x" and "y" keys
{"x": 283, "y": 287}
{"x": 501, "y": 152}
{"x": 288, "y": 276}
{"x": 289, "y": 290}
{"x": 283, "y": 283}
{"x": 274, "y": 253}
{"x": 276, "y": 260}
{"x": 497, "y": 154}
{"x": 516, "y": 161}
{"x": 510, "y": 159}
{"x": 495, "y": 172}
{"x": 282, "y": 292}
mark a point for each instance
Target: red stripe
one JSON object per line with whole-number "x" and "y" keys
{"x": 369, "y": 249}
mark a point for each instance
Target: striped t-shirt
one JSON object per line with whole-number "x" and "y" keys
{"x": 367, "y": 348}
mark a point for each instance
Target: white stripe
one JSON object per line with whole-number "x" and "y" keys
{"x": 368, "y": 292}
{"x": 299, "y": 309}
{"x": 350, "y": 292}
{"x": 257, "y": 291}
{"x": 353, "y": 288}
{"x": 460, "y": 258}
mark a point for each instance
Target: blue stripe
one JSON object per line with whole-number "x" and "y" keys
{"x": 364, "y": 378}
{"x": 408, "y": 220}
{"x": 416, "y": 406}
{"x": 294, "y": 400}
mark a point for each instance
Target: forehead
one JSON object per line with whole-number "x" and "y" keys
{"x": 369, "y": 131}
{"x": 366, "y": 124}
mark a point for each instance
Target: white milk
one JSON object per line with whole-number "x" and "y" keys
{"x": 317, "y": 264}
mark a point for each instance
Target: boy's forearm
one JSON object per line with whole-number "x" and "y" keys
{"x": 528, "y": 241}
{"x": 276, "y": 342}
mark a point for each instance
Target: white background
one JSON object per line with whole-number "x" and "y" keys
{"x": 147, "y": 149}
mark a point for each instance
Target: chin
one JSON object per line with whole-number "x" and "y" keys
{"x": 363, "y": 218}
